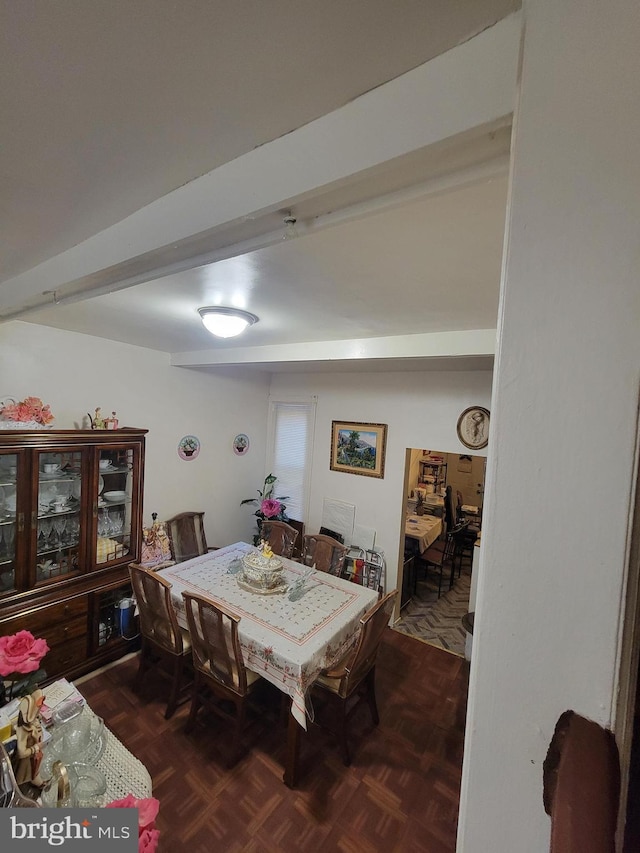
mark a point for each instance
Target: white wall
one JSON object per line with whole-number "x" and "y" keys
{"x": 421, "y": 410}
{"x": 75, "y": 373}
{"x": 552, "y": 577}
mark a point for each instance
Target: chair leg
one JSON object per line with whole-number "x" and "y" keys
{"x": 342, "y": 734}
{"x": 195, "y": 703}
{"x": 176, "y": 682}
{"x": 370, "y": 682}
{"x": 142, "y": 666}
{"x": 240, "y": 716}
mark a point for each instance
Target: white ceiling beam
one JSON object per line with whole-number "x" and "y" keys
{"x": 469, "y": 86}
{"x": 477, "y": 342}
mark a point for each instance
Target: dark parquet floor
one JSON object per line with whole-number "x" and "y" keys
{"x": 400, "y": 794}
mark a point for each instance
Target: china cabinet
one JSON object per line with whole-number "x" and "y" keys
{"x": 70, "y": 524}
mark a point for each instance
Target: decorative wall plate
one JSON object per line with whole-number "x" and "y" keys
{"x": 188, "y": 447}
{"x": 241, "y": 444}
{"x": 473, "y": 427}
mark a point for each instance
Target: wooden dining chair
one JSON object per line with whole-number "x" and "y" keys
{"x": 162, "y": 638}
{"x": 218, "y": 663}
{"x": 187, "y": 536}
{"x": 351, "y": 681}
{"x": 323, "y": 552}
{"x": 281, "y": 536}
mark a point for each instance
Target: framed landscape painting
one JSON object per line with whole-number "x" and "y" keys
{"x": 358, "y": 448}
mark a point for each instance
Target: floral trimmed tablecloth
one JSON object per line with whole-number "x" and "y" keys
{"x": 287, "y": 642}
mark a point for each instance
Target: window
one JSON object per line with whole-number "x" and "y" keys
{"x": 292, "y": 439}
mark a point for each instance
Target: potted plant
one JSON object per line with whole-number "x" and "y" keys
{"x": 269, "y": 507}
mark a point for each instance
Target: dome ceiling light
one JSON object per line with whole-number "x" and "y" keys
{"x": 226, "y": 322}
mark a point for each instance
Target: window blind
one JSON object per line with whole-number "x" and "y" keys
{"x": 292, "y": 435}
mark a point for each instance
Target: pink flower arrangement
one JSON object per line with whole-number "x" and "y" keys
{"x": 148, "y": 808}
{"x": 270, "y": 508}
{"x": 21, "y": 653}
{"x": 29, "y": 409}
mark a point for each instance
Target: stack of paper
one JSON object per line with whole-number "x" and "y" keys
{"x": 56, "y": 695}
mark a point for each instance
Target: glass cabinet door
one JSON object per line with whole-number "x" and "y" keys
{"x": 8, "y": 520}
{"x": 115, "y": 511}
{"x": 59, "y": 514}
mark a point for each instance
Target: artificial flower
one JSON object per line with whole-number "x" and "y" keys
{"x": 29, "y": 409}
{"x": 21, "y": 653}
{"x": 270, "y": 508}
{"x": 147, "y": 807}
{"x": 148, "y": 841}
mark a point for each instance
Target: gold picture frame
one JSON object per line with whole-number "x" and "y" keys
{"x": 358, "y": 448}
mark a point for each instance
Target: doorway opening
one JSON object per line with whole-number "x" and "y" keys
{"x": 442, "y": 518}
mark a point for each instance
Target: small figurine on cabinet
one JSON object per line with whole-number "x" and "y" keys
{"x": 112, "y": 422}
{"x": 97, "y": 421}
{"x": 29, "y": 740}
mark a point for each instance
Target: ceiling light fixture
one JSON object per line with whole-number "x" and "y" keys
{"x": 290, "y": 230}
{"x": 226, "y": 322}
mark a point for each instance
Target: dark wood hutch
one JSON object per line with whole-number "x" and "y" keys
{"x": 70, "y": 524}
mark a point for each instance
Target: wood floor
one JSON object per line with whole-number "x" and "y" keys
{"x": 400, "y": 794}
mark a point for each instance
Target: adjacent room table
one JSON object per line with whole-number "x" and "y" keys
{"x": 287, "y": 642}
{"x": 425, "y": 529}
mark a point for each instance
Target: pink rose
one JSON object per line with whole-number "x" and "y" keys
{"x": 147, "y": 810}
{"x": 270, "y": 507}
{"x": 21, "y": 653}
{"x": 148, "y": 841}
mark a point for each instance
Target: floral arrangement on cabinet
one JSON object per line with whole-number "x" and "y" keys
{"x": 27, "y": 411}
{"x": 269, "y": 507}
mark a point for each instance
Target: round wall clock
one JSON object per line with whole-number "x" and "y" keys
{"x": 473, "y": 427}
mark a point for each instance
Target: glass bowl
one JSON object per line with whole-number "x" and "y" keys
{"x": 88, "y": 785}
{"x": 80, "y": 739}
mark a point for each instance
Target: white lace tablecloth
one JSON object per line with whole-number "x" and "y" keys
{"x": 287, "y": 642}
{"x": 124, "y": 773}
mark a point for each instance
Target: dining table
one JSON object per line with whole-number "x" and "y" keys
{"x": 288, "y": 642}
{"x": 424, "y": 529}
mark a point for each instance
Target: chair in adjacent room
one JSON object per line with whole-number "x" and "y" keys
{"x": 218, "y": 663}
{"x": 323, "y": 552}
{"x": 281, "y": 536}
{"x": 187, "y": 536}
{"x": 460, "y": 544}
{"x": 352, "y": 680}
{"x": 162, "y": 638}
{"x": 439, "y": 557}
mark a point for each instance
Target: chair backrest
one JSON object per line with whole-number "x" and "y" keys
{"x": 158, "y": 620}
{"x": 186, "y": 532}
{"x": 280, "y": 535}
{"x": 323, "y": 552}
{"x": 372, "y": 626}
{"x": 214, "y": 642}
